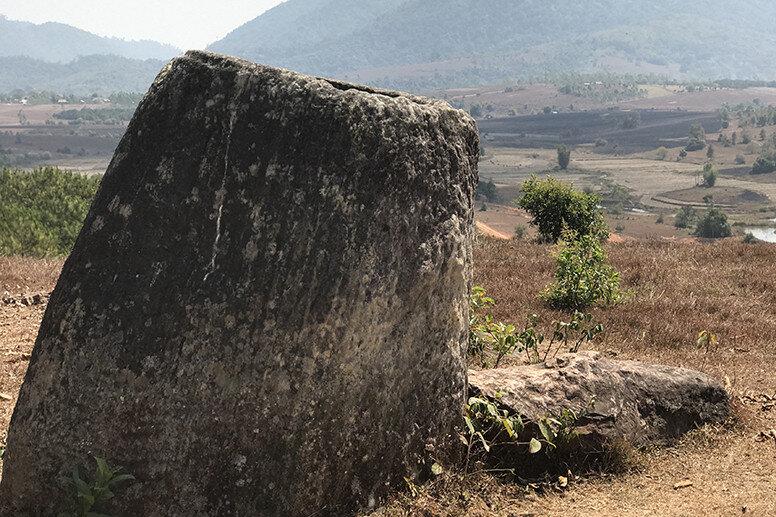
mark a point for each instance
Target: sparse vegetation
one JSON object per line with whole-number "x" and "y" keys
{"x": 109, "y": 116}
{"x": 493, "y": 340}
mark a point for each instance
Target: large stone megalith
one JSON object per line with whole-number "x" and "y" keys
{"x": 266, "y": 310}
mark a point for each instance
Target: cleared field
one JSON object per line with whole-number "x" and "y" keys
{"x": 27, "y": 140}
{"x": 530, "y": 99}
{"x": 656, "y": 128}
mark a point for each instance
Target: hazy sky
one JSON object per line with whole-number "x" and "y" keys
{"x": 184, "y": 23}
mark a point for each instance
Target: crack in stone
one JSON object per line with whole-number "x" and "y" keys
{"x": 222, "y": 191}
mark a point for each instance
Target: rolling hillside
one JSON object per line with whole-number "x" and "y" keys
{"x": 82, "y": 76}
{"x": 444, "y": 43}
{"x": 59, "y": 43}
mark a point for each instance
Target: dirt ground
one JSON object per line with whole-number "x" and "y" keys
{"x": 678, "y": 289}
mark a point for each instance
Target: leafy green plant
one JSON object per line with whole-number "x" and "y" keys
{"x": 709, "y": 175}
{"x": 582, "y": 277}
{"x": 556, "y": 206}
{"x": 490, "y": 338}
{"x": 686, "y": 217}
{"x": 489, "y": 426}
{"x": 713, "y": 225}
{"x": 89, "y": 494}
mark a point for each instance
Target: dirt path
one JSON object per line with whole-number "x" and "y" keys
{"x": 491, "y": 232}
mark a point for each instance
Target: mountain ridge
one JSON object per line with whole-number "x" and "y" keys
{"x": 506, "y": 39}
{"x": 55, "y": 42}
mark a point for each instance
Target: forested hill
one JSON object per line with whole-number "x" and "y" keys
{"x": 59, "y": 43}
{"x": 83, "y": 76}
{"x": 429, "y": 43}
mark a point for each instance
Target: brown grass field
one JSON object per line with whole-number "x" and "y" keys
{"x": 678, "y": 289}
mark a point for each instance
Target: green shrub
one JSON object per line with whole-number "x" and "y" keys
{"x": 686, "y": 217}
{"x": 709, "y": 175}
{"x": 740, "y": 159}
{"x": 487, "y": 189}
{"x": 582, "y": 276}
{"x": 697, "y": 138}
{"x": 766, "y": 162}
{"x": 42, "y": 211}
{"x": 713, "y": 225}
{"x": 749, "y": 238}
{"x": 556, "y": 206}
{"x": 564, "y": 157}
{"x": 520, "y": 232}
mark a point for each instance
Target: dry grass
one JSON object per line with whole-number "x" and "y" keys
{"x": 679, "y": 288}
{"x": 22, "y": 275}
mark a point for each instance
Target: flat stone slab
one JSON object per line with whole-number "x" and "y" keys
{"x": 616, "y": 400}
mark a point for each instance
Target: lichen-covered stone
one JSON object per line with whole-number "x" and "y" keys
{"x": 630, "y": 401}
{"x": 265, "y": 313}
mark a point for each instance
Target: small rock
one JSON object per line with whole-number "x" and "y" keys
{"x": 683, "y": 484}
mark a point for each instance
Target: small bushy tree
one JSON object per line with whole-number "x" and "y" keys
{"x": 564, "y": 157}
{"x": 766, "y": 162}
{"x": 709, "y": 175}
{"x": 582, "y": 277}
{"x": 556, "y": 206}
{"x": 713, "y": 225}
{"x": 686, "y": 217}
{"x": 697, "y": 138}
{"x": 487, "y": 189}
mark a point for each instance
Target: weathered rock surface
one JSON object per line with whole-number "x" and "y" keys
{"x": 616, "y": 400}
{"x": 265, "y": 313}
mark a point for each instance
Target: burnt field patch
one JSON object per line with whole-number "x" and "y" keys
{"x": 610, "y": 130}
